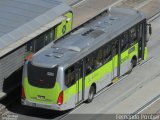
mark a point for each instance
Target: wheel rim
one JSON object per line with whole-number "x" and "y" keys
{"x": 91, "y": 94}
{"x": 134, "y": 63}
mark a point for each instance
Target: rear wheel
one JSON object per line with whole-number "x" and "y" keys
{"x": 91, "y": 94}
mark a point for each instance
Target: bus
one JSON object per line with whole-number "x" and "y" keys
{"x": 26, "y": 27}
{"x": 76, "y": 67}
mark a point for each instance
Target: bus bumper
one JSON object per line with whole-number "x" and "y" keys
{"x": 44, "y": 106}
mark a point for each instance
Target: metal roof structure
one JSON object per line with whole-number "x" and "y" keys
{"x": 87, "y": 38}
{"x": 22, "y": 20}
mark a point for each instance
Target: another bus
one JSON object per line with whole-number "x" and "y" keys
{"x": 26, "y": 27}
{"x": 82, "y": 63}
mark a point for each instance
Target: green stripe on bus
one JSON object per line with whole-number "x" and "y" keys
{"x": 127, "y": 55}
{"x": 145, "y": 53}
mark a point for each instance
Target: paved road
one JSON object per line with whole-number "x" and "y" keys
{"x": 153, "y": 108}
{"x": 72, "y": 2}
{"x": 88, "y": 9}
{"x": 154, "y": 51}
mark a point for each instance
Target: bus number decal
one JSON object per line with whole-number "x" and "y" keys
{"x": 131, "y": 50}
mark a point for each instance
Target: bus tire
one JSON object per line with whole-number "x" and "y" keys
{"x": 133, "y": 64}
{"x": 91, "y": 94}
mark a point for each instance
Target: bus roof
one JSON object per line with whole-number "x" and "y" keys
{"x": 22, "y": 20}
{"x": 87, "y": 38}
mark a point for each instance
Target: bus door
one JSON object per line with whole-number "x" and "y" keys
{"x": 140, "y": 41}
{"x": 79, "y": 82}
{"x": 124, "y": 53}
{"x": 65, "y": 26}
{"x": 115, "y": 59}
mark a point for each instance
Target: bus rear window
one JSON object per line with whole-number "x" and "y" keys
{"x": 42, "y": 77}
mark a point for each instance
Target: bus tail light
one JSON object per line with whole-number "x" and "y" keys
{"x": 23, "y": 94}
{"x": 60, "y": 98}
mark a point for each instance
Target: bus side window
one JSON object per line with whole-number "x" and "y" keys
{"x": 139, "y": 31}
{"x": 132, "y": 35}
{"x": 49, "y": 36}
{"x": 124, "y": 41}
{"x": 43, "y": 39}
{"x": 39, "y": 42}
{"x": 79, "y": 70}
{"x": 98, "y": 61}
{"x": 107, "y": 53}
{"x": 89, "y": 64}
{"x": 115, "y": 47}
{"x": 70, "y": 76}
{"x": 30, "y": 46}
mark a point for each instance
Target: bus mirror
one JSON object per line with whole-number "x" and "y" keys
{"x": 150, "y": 29}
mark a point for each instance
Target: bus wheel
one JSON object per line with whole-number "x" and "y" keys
{"x": 91, "y": 94}
{"x": 133, "y": 64}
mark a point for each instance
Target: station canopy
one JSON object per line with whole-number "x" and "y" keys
{"x": 22, "y": 20}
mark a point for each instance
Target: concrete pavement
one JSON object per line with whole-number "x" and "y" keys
{"x": 143, "y": 94}
{"x": 90, "y": 8}
{"x": 151, "y": 9}
{"x": 152, "y": 109}
{"x": 72, "y": 2}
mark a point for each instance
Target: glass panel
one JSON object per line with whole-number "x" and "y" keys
{"x": 124, "y": 41}
{"x": 39, "y": 42}
{"x": 42, "y": 77}
{"x": 70, "y": 76}
{"x": 49, "y": 36}
{"x": 30, "y": 46}
{"x": 139, "y": 30}
{"x": 107, "y": 53}
{"x": 89, "y": 64}
{"x": 98, "y": 61}
{"x": 133, "y": 35}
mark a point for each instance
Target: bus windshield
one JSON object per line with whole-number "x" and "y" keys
{"x": 42, "y": 77}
